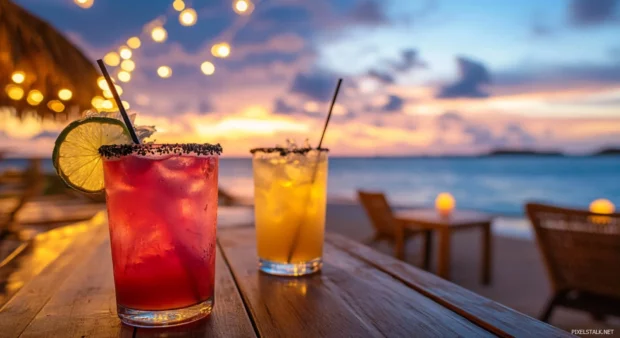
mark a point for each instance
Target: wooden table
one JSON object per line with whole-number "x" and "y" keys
{"x": 445, "y": 226}
{"x": 359, "y": 293}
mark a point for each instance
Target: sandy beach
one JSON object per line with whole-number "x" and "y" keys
{"x": 519, "y": 277}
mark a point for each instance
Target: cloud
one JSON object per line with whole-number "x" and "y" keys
{"x": 472, "y": 75}
{"x": 368, "y": 12}
{"x": 589, "y": 13}
{"x": 410, "y": 59}
{"x": 448, "y": 119}
{"x": 316, "y": 86}
{"x": 382, "y": 77}
{"x": 205, "y": 106}
{"x": 281, "y": 107}
{"x": 394, "y": 104}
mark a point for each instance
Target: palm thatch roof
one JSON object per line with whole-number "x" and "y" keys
{"x": 50, "y": 63}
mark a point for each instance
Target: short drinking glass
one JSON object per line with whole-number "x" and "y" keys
{"x": 289, "y": 204}
{"x": 162, "y": 212}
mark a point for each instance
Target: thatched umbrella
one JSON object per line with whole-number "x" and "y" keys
{"x": 48, "y": 62}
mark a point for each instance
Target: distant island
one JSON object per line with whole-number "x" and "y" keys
{"x": 523, "y": 152}
{"x": 607, "y": 152}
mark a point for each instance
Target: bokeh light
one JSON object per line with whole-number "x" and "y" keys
{"x": 18, "y": 76}
{"x": 35, "y": 97}
{"x": 602, "y": 206}
{"x": 134, "y": 42}
{"x": 101, "y": 82}
{"x": 178, "y": 5}
{"x": 112, "y": 59}
{"x": 125, "y": 52}
{"x": 107, "y": 104}
{"x": 220, "y": 50}
{"x": 164, "y": 72}
{"x": 123, "y": 76}
{"x": 243, "y": 7}
{"x": 86, "y": 4}
{"x": 14, "y": 92}
{"x": 65, "y": 94}
{"x": 126, "y": 105}
{"x": 107, "y": 94}
{"x": 188, "y": 17}
{"x": 56, "y": 106}
{"x": 159, "y": 34}
{"x": 128, "y": 65}
{"x": 207, "y": 68}
{"x": 97, "y": 102}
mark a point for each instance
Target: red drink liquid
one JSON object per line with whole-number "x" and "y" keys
{"x": 162, "y": 213}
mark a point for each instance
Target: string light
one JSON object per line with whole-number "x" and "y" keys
{"x": 207, "y": 68}
{"x": 86, "y": 4}
{"x": 125, "y": 52}
{"x": 97, "y": 102}
{"x": 107, "y": 104}
{"x": 56, "y": 106}
{"x": 221, "y": 50}
{"x": 243, "y": 7}
{"x": 123, "y": 76}
{"x": 126, "y": 104}
{"x": 18, "y": 76}
{"x": 107, "y": 94}
{"x": 178, "y": 5}
{"x": 15, "y": 92}
{"x": 112, "y": 59}
{"x": 188, "y": 17}
{"x": 65, "y": 94}
{"x": 164, "y": 72}
{"x": 34, "y": 97}
{"x": 159, "y": 34}
{"x": 134, "y": 42}
{"x": 101, "y": 82}
{"x": 119, "y": 90}
{"x": 128, "y": 65}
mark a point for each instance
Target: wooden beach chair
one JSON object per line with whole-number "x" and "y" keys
{"x": 581, "y": 251}
{"x": 387, "y": 227}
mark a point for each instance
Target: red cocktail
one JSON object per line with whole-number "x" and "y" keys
{"x": 162, "y": 211}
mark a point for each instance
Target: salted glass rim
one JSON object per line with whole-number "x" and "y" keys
{"x": 157, "y": 150}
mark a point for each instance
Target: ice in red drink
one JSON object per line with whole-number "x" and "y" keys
{"x": 162, "y": 212}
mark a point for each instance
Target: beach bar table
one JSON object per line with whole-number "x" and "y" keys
{"x": 359, "y": 293}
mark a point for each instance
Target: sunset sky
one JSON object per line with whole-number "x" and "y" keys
{"x": 420, "y": 77}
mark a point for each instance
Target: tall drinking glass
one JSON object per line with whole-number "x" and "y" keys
{"x": 289, "y": 204}
{"x": 162, "y": 212}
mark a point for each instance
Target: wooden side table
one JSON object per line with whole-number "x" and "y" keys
{"x": 445, "y": 226}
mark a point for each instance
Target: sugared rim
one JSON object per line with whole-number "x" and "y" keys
{"x": 285, "y": 151}
{"x": 147, "y": 149}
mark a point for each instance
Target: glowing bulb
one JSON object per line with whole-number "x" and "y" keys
{"x": 15, "y": 92}
{"x": 159, "y": 34}
{"x": 207, "y": 68}
{"x": 602, "y": 206}
{"x": 107, "y": 104}
{"x": 188, "y": 17}
{"x": 34, "y": 97}
{"x": 107, "y": 94}
{"x": 119, "y": 90}
{"x": 112, "y": 59}
{"x": 126, "y": 104}
{"x": 56, "y": 106}
{"x": 220, "y": 50}
{"x": 243, "y": 7}
{"x": 134, "y": 42}
{"x": 178, "y": 5}
{"x": 128, "y": 65}
{"x": 164, "y": 72}
{"x": 123, "y": 76}
{"x": 102, "y": 83}
{"x": 86, "y": 4}
{"x": 97, "y": 102}
{"x": 65, "y": 94}
{"x": 445, "y": 203}
{"x": 125, "y": 52}
{"x": 18, "y": 76}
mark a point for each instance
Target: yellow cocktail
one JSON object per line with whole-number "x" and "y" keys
{"x": 289, "y": 205}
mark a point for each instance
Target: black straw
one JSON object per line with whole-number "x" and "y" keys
{"x": 329, "y": 115}
{"x": 119, "y": 103}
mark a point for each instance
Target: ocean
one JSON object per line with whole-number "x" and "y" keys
{"x": 494, "y": 184}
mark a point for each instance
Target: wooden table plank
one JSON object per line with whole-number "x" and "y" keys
{"x": 16, "y": 314}
{"x": 229, "y": 317}
{"x": 348, "y": 298}
{"x": 490, "y": 315}
{"x": 84, "y": 305}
